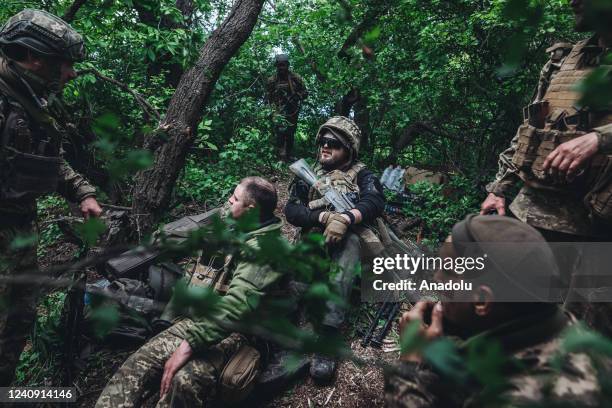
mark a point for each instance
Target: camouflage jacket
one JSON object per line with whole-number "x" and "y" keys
{"x": 249, "y": 284}
{"x": 22, "y": 134}
{"x": 551, "y": 210}
{"x": 529, "y": 373}
{"x": 286, "y": 96}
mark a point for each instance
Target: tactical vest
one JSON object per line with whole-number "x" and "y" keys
{"x": 555, "y": 119}
{"x": 372, "y": 236}
{"x": 30, "y": 158}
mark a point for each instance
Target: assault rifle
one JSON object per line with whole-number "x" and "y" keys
{"x": 387, "y": 312}
{"x": 341, "y": 201}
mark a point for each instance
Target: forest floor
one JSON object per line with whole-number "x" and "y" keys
{"x": 354, "y": 386}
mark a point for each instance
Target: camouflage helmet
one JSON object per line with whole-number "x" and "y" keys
{"x": 43, "y": 33}
{"x": 344, "y": 130}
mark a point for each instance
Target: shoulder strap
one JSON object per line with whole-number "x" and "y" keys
{"x": 354, "y": 170}
{"x": 44, "y": 119}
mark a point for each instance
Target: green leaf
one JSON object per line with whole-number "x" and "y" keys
{"x": 91, "y": 230}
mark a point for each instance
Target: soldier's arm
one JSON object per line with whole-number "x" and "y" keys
{"x": 371, "y": 202}
{"x": 301, "y": 87}
{"x": 507, "y": 174}
{"x": 250, "y": 282}
{"x": 270, "y": 84}
{"x": 296, "y": 210}
{"x": 73, "y": 186}
{"x": 604, "y": 135}
{"x": 410, "y": 385}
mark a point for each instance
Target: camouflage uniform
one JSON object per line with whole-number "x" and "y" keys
{"x": 532, "y": 342}
{"x": 195, "y": 383}
{"x": 554, "y": 210}
{"x": 31, "y": 135}
{"x": 286, "y": 97}
{"x": 558, "y": 213}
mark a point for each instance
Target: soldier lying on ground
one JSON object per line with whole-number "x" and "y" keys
{"x": 37, "y": 53}
{"x": 189, "y": 356}
{"x": 349, "y": 235}
{"x": 528, "y": 332}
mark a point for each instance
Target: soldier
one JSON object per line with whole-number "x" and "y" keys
{"x": 559, "y": 144}
{"x": 349, "y": 235}
{"x": 529, "y": 333}
{"x": 285, "y": 92}
{"x": 189, "y": 356}
{"x": 36, "y": 60}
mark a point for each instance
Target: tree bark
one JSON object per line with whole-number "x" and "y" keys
{"x": 71, "y": 12}
{"x": 153, "y": 187}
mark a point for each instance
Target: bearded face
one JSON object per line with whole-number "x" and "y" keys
{"x": 332, "y": 153}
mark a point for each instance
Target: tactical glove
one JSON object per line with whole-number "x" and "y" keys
{"x": 335, "y": 227}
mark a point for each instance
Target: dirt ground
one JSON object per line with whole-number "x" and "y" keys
{"x": 354, "y": 386}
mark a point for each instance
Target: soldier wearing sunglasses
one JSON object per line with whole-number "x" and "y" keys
{"x": 349, "y": 236}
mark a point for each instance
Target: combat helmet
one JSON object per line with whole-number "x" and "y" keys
{"x": 44, "y": 34}
{"x": 345, "y": 130}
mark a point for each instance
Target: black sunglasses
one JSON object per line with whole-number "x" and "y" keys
{"x": 331, "y": 143}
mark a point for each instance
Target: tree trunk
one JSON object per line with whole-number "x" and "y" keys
{"x": 153, "y": 187}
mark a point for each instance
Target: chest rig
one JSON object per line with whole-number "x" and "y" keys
{"x": 555, "y": 118}
{"x": 30, "y": 144}
{"x": 371, "y": 236}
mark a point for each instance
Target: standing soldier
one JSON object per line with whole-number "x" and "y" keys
{"x": 285, "y": 92}
{"x": 37, "y": 52}
{"x": 560, "y": 150}
{"x": 349, "y": 235}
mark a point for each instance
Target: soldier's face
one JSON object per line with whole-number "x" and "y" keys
{"x": 332, "y": 155}
{"x": 282, "y": 68}
{"x": 67, "y": 72}
{"x": 239, "y": 202}
{"x": 578, "y": 9}
{"x": 52, "y": 69}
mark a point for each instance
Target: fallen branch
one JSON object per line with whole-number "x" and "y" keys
{"x": 139, "y": 98}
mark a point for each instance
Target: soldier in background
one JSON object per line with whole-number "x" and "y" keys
{"x": 36, "y": 60}
{"x": 348, "y": 235}
{"x": 285, "y": 92}
{"x": 559, "y": 153}
{"x": 528, "y": 333}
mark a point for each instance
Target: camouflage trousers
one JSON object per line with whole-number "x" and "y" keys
{"x": 347, "y": 257}
{"x": 194, "y": 385}
{"x": 285, "y": 136}
{"x": 17, "y": 299}
{"x": 596, "y": 314}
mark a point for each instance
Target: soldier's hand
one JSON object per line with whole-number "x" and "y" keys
{"x": 336, "y": 227}
{"x": 90, "y": 208}
{"x": 178, "y": 359}
{"x": 568, "y": 158}
{"x": 493, "y": 203}
{"x": 428, "y": 332}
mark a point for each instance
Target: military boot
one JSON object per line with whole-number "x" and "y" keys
{"x": 322, "y": 368}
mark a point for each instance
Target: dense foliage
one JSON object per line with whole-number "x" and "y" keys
{"x": 448, "y": 64}
{"x": 463, "y": 68}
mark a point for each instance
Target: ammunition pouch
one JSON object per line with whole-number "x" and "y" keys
{"x": 526, "y": 149}
{"x": 29, "y": 174}
{"x": 239, "y": 375}
{"x": 533, "y": 146}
